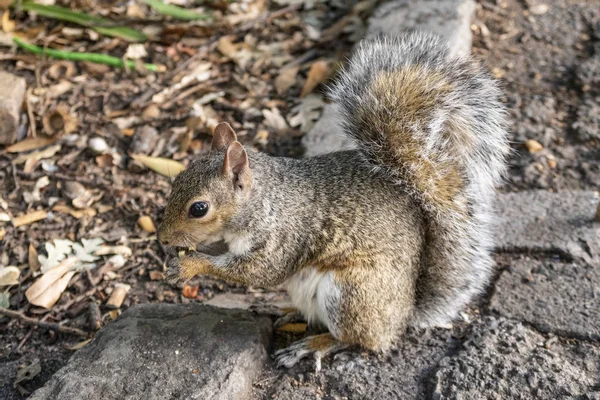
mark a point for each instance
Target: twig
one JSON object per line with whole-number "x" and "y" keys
{"x": 41, "y": 324}
{"x": 32, "y": 127}
{"x": 90, "y": 57}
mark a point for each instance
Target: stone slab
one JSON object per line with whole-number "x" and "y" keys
{"x": 562, "y": 298}
{"x": 165, "y": 351}
{"x": 502, "y": 359}
{"x": 562, "y": 223}
{"x": 12, "y": 93}
{"x": 449, "y": 18}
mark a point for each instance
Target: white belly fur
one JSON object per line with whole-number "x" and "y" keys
{"x": 312, "y": 292}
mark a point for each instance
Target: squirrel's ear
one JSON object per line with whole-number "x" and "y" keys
{"x": 236, "y": 166}
{"x": 223, "y": 136}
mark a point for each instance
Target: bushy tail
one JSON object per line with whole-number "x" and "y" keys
{"x": 435, "y": 125}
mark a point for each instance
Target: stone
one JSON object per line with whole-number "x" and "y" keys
{"x": 399, "y": 373}
{"x": 449, "y": 18}
{"x": 12, "y": 93}
{"x": 502, "y": 359}
{"x": 326, "y": 136}
{"x": 559, "y": 223}
{"x": 166, "y": 351}
{"x": 563, "y": 298}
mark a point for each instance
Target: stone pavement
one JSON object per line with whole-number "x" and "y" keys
{"x": 535, "y": 334}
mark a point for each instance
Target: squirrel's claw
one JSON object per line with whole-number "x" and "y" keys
{"x": 317, "y": 345}
{"x": 289, "y": 356}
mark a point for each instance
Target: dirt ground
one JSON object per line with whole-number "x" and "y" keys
{"x": 546, "y": 54}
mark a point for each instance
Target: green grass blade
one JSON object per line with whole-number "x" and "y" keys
{"x": 175, "y": 11}
{"x": 100, "y": 25}
{"x": 78, "y": 56}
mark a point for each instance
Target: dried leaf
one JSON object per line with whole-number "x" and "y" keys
{"x": 38, "y": 155}
{"x": 27, "y": 373}
{"x": 117, "y": 296}
{"x": 30, "y": 144}
{"x": 164, "y": 166}
{"x": 34, "y": 263}
{"x": 79, "y": 345}
{"x": 146, "y": 223}
{"x": 306, "y": 113}
{"x": 136, "y": 51}
{"x": 120, "y": 250}
{"x": 88, "y": 212}
{"x": 56, "y": 253}
{"x": 46, "y": 291}
{"x": 299, "y": 327}
{"x": 8, "y": 25}
{"x": 319, "y": 71}
{"x": 9, "y": 276}
{"x": 533, "y": 146}
{"x": 29, "y": 218}
{"x": 86, "y": 253}
{"x": 275, "y": 120}
{"x": 190, "y": 292}
{"x": 286, "y": 79}
{"x": 156, "y": 276}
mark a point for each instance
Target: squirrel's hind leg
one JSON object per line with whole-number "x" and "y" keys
{"x": 316, "y": 345}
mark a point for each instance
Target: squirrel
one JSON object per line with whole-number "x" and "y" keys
{"x": 395, "y": 233}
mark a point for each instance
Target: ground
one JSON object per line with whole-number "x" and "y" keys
{"x": 546, "y": 54}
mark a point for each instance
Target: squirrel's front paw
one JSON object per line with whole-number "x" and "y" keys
{"x": 173, "y": 274}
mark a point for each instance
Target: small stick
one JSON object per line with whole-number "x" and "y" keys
{"x": 41, "y": 324}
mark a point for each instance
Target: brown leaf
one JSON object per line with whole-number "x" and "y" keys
{"x": 9, "y": 276}
{"x": 38, "y": 154}
{"x": 286, "y": 79}
{"x": 29, "y": 218}
{"x": 88, "y": 212}
{"x": 8, "y": 25}
{"x": 319, "y": 71}
{"x": 34, "y": 263}
{"x": 79, "y": 345}
{"x": 117, "y": 296}
{"x": 146, "y": 223}
{"x": 164, "y": 166}
{"x": 156, "y": 276}
{"x": 30, "y": 144}
{"x": 298, "y": 327}
{"x": 46, "y": 291}
{"x": 190, "y": 291}
{"x": 533, "y": 146}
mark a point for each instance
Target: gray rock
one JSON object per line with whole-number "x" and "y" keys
{"x": 449, "y": 18}
{"x": 162, "y": 351}
{"x": 563, "y": 298}
{"x": 502, "y": 359}
{"x": 561, "y": 223}
{"x": 326, "y": 136}
{"x": 12, "y": 93}
{"x": 400, "y": 373}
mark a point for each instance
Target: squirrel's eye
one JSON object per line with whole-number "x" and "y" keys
{"x": 198, "y": 209}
